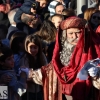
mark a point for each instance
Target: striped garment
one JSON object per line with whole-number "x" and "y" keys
{"x": 52, "y": 5}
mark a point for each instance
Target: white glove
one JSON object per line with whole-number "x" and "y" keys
{"x": 93, "y": 71}
{"x": 93, "y": 67}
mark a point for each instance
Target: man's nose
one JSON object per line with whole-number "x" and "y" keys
{"x": 75, "y": 35}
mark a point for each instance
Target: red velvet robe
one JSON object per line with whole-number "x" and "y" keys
{"x": 88, "y": 48}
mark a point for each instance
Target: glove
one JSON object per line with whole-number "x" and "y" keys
{"x": 93, "y": 71}
{"x": 93, "y": 67}
{"x": 26, "y": 70}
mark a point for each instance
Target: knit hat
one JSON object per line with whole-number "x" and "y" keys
{"x": 51, "y": 7}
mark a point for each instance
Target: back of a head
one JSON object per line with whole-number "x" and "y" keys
{"x": 24, "y": 18}
{"x": 5, "y": 52}
{"x": 11, "y": 15}
{"x": 68, "y": 12}
{"x": 16, "y": 38}
{"x": 57, "y": 15}
{"x": 48, "y": 31}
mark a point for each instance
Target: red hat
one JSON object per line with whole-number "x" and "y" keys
{"x": 72, "y": 22}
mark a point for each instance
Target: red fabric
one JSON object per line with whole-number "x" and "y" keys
{"x": 87, "y": 48}
{"x": 4, "y": 8}
{"x": 72, "y": 22}
{"x": 98, "y": 30}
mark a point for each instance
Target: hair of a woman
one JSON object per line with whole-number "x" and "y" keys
{"x": 89, "y": 12}
{"x": 48, "y": 31}
{"x": 68, "y": 12}
{"x": 40, "y": 58}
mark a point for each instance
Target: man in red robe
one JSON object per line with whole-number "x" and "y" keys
{"x": 75, "y": 45}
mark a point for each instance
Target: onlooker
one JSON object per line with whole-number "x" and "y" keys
{"x": 56, "y": 19}
{"x": 51, "y": 7}
{"x": 48, "y": 34}
{"x": 15, "y": 87}
{"x": 68, "y": 12}
{"x": 28, "y": 8}
{"x": 92, "y": 16}
{"x": 12, "y": 27}
{"x": 73, "y": 4}
{"x": 33, "y": 58}
{"x": 42, "y": 3}
{"x": 59, "y": 8}
{"x": 17, "y": 46}
{"x": 47, "y": 31}
{"x": 30, "y": 23}
{"x": 31, "y": 20}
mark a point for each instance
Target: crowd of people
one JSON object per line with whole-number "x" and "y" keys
{"x": 47, "y": 52}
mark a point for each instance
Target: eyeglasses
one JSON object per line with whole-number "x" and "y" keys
{"x": 94, "y": 17}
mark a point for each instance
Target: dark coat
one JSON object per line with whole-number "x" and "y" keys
{"x": 4, "y": 19}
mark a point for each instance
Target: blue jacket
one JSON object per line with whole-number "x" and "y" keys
{"x": 15, "y": 87}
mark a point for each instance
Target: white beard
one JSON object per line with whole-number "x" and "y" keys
{"x": 66, "y": 51}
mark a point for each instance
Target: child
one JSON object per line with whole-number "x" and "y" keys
{"x": 15, "y": 88}
{"x": 17, "y": 46}
{"x": 56, "y": 20}
{"x": 34, "y": 58}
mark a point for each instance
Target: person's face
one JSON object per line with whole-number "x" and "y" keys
{"x": 59, "y": 9}
{"x": 99, "y": 7}
{"x": 56, "y": 21}
{"x": 95, "y": 19}
{"x": 43, "y": 3}
{"x": 9, "y": 62}
{"x": 32, "y": 49}
{"x": 73, "y": 35}
{"x": 34, "y": 21}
